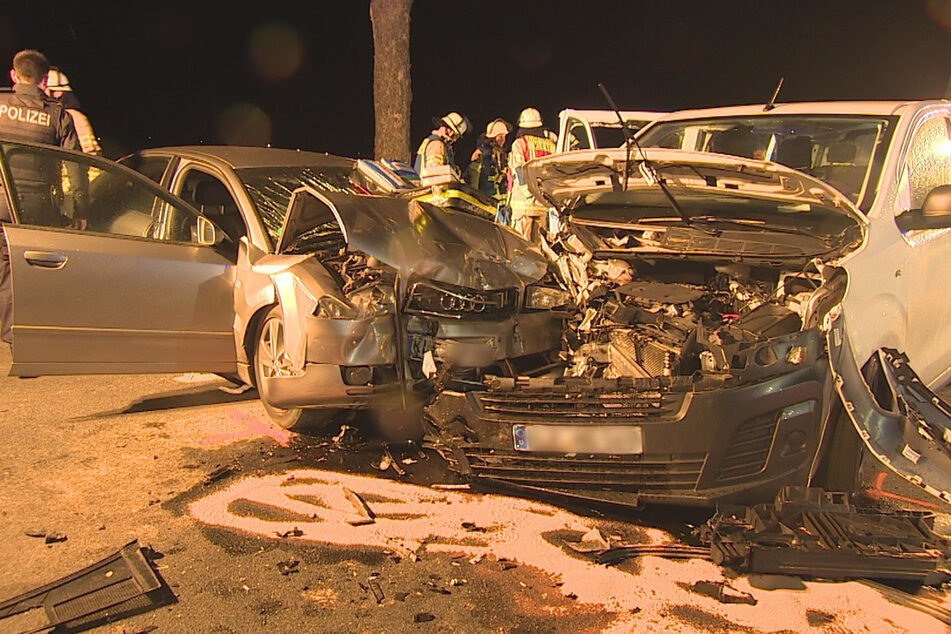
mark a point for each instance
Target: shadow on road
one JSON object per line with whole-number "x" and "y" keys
{"x": 176, "y": 399}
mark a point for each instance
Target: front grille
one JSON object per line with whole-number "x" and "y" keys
{"x": 577, "y": 407}
{"x": 456, "y": 302}
{"x": 749, "y": 448}
{"x": 617, "y": 473}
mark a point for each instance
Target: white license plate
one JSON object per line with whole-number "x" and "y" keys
{"x": 593, "y": 439}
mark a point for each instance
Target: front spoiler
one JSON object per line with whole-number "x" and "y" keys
{"x": 913, "y": 438}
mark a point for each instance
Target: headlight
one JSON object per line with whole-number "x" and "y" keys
{"x": 370, "y": 301}
{"x": 545, "y": 298}
{"x": 335, "y": 308}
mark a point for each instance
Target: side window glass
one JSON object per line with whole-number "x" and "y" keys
{"x": 211, "y": 196}
{"x": 64, "y": 190}
{"x": 928, "y": 162}
{"x": 152, "y": 167}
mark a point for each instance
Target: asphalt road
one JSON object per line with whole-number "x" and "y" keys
{"x": 231, "y": 502}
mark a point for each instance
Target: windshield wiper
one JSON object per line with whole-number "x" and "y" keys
{"x": 758, "y": 224}
{"x": 647, "y": 169}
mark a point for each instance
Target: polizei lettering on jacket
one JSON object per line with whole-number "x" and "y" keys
{"x": 25, "y": 115}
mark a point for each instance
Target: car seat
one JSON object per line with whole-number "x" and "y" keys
{"x": 795, "y": 152}
{"x": 216, "y": 202}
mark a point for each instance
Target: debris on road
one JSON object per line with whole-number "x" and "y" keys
{"x": 48, "y": 537}
{"x": 776, "y": 582}
{"x": 367, "y": 516}
{"x": 376, "y": 590}
{"x": 927, "y": 605}
{"x": 810, "y": 532}
{"x": 424, "y": 617}
{"x": 288, "y": 567}
{"x": 614, "y": 556}
{"x": 235, "y": 390}
{"x": 344, "y": 439}
{"x": 218, "y": 474}
{"x": 294, "y": 532}
{"x": 473, "y": 528}
{"x": 722, "y": 592}
{"x": 116, "y": 587}
{"x": 387, "y": 461}
{"x": 507, "y": 565}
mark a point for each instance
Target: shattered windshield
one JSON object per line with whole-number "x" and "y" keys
{"x": 845, "y": 151}
{"x": 270, "y": 189}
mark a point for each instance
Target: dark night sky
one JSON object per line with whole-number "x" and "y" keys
{"x": 300, "y": 72}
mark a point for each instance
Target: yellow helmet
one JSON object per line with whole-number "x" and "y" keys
{"x": 530, "y": 118}
{"x": 497, "y": 127}
{"x": 455, "y": 122}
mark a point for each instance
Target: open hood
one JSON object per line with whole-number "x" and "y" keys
{"x": 562, "y": 177}
{"x": 417, "y": 239}
{"x": 760, "y": 208}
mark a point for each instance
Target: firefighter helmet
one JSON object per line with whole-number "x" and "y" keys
{"x": 530, "y": 118}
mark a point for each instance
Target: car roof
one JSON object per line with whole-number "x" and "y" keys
{"x": 238, "y": 157}
{"x": 882, "y": 108}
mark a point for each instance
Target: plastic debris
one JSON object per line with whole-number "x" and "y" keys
{"x": 294, "y": 532}
{"x": 288, "y": 567}
{"x": 424, "y": 617}
{"x": 722, "y": 592}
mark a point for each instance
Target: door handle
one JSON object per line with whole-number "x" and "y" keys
{"x": 45, "y": 259}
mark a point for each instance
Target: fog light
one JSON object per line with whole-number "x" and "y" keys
{"x": 357, "y": 375}
{"x": 796, "y": 355}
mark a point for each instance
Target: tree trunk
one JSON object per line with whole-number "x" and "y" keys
{"x": 392, "y": 93}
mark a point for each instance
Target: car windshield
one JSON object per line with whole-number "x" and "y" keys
{"x": 843, "y": 150}
{"x": 270, "y": 188}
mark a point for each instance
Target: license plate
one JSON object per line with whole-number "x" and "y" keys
{"x": 592, "y": 439}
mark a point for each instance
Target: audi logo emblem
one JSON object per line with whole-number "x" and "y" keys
{"x": 462, "y": 304}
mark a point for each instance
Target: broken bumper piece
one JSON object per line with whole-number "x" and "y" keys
{"x": 120, "y": 585}
{"x": 813, "y": 533}
{"x": 627, "y": 441}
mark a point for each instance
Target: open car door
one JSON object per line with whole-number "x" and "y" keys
{"x": 901, "y": 422}
{"x": 111, "y": 274}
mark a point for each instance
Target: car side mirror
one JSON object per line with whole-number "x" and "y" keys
{"x": 208, "y": 234}
{"x": 935, "y": 212}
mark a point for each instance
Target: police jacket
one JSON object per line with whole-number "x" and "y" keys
{"x": 29, "y": 114}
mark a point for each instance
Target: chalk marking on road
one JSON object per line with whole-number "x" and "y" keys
{"x": 422, "y": 519}
{"x": 253, "y": 428}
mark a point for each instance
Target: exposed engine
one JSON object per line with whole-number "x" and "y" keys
{"x": 661, "y": 317}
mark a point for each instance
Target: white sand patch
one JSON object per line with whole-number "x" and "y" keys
{"x": 418, "y": 518}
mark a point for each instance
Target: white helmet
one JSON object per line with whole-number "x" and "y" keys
{"x": 530, "y": 118}
{"x": 497, "y": 127}
{"x": 57, "y": 80}
{"x": 455, "y": 122}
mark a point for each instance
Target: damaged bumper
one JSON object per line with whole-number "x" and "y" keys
{"x": 686, "y": 445}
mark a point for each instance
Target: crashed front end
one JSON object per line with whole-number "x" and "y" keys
{"x": 384, "y": 298}
{"x": 695, "y": 366}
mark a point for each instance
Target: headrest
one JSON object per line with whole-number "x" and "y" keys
{"x": 212, "y": 192}
{"x": 842, "y": 152}
{"x": 795, "y": 152}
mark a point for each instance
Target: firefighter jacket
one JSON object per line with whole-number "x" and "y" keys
{"x": 433, "y": 152}
{"x": 487, "y": 170}
{"x": 531, "y": 144}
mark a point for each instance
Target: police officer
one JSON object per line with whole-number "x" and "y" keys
{"x": 29, "y": 114}
{"x": 436, "y": 150}
{"x": 532, "y": 141}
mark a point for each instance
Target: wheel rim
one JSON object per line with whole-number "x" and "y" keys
{"x": 272, "y": 358}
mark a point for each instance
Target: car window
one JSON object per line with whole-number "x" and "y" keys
{"x": 210, "y": 195}
{"x": 577, "y": 135}
{"x": 928, "y": 160}
{"x": 152, "y": 167}
{"x": 67, "y": 190}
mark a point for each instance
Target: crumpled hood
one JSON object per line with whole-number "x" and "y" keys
{"x": 561, "y": 177}
{"x": 425, "y": 242}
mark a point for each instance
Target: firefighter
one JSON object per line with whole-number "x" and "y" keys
{"x": 531, "y": 141}
{"x": 489, "y": 161}
{"x": 436, "y": 150}
{"x": 58, "y": 87}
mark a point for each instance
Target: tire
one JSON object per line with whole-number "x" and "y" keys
{"x": 270, "y": 360}
{"x": 839, "y": 469}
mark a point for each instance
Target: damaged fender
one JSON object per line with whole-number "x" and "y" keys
{"x": 913, "y": 438}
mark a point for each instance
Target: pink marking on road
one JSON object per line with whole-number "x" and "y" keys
{"x": 253, "y": 427}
